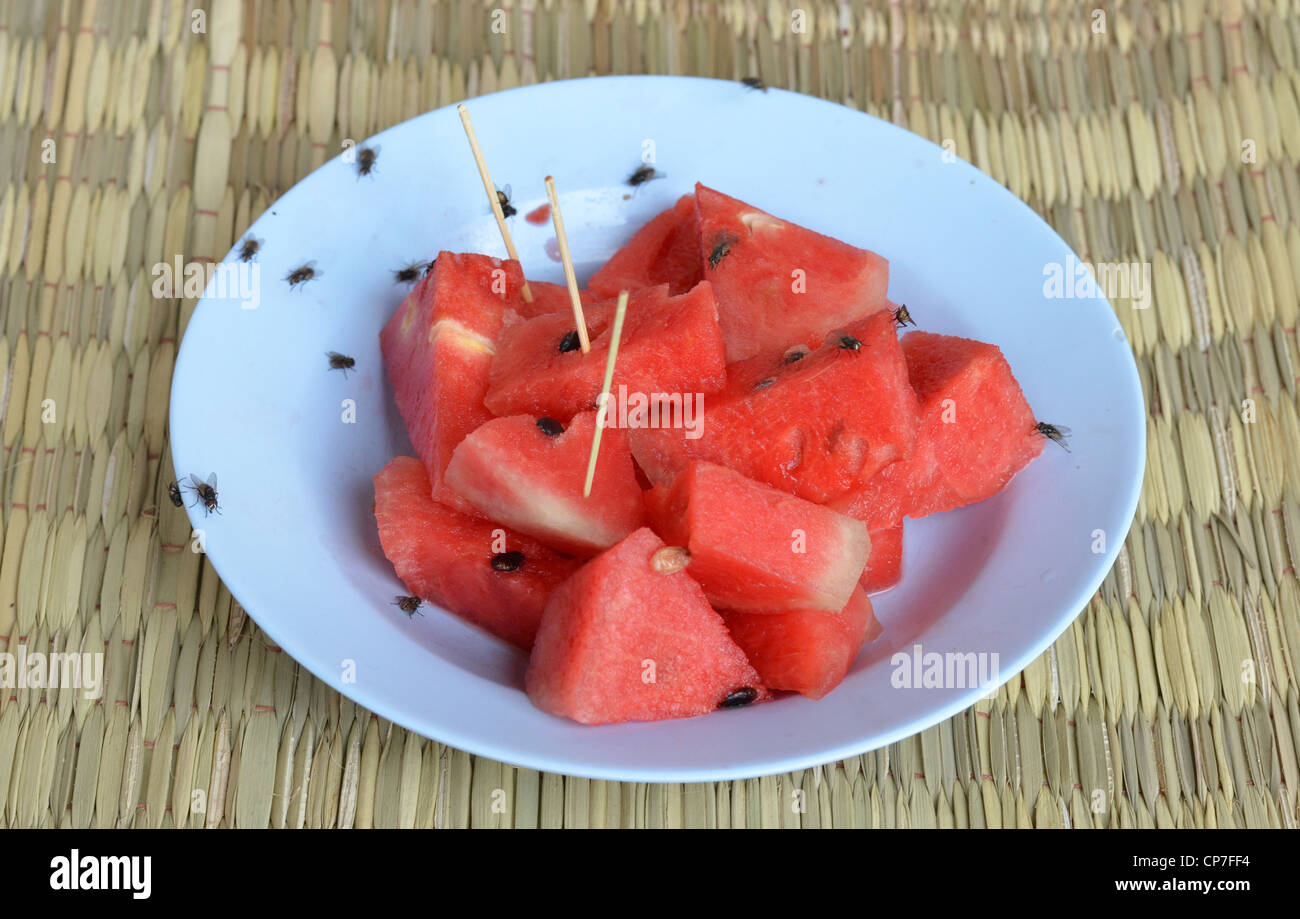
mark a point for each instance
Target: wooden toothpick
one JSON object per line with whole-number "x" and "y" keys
{"x": 569, "y": 277}
{"x": 603, "y": 402}
{"x": 491, "y": 192}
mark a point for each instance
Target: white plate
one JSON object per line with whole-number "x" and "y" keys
{"x": 296, "y": 543}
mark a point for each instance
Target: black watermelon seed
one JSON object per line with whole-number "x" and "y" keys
{"x": 550, "y": 427}
{"x": 794, "y": 355}
{"x": 740, "y": 698}
{"x": 507, "y": 561}
{"x": 764, "y": 384}
{"x": 570, "y": 342}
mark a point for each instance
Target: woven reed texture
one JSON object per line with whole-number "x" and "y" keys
{"x": 136, "y": 131}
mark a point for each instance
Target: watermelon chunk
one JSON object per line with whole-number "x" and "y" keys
{"x": 976, "y": 431}
{"x": 755, "y": 548}
{"x": 549, "y": 299}
{"x": 815, "y": 426}
{"x": 805, "y": 651}
{"x": 891, "y": 493}
{"x": 664, "y": 251}
{"x": 513, "y": 471}
{"x": 669, "y": 345}
{"x": 478, "y": 292}
{"x": 754, "y": 261}
{"x": 991, "y": 433}
{"x": 438, "y": 349}
{"x": 885, "y": 565}
{"x": 446, "y": 557}
{"x": 620, "y": 641}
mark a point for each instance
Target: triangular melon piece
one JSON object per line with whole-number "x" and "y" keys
{"x": 528, "y": 473}
{"x": 805, "y": 651}
{"x": 626, "y": 640}
{"x": 438, "y": 348}
{"x": 664, "y": 251}
{"x": 497, "y": 579}
{"x": 670, "y": 345}
{"x": 990, "y": 433}
{"x": 814, "y": 423}
{"x": 976, "y": 432}
{"x": 756, "y": 548}
{"x": 779, "y": 284}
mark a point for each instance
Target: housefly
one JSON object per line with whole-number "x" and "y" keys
{"x": 302, "y": 274}
{"x": 206, "y": 490}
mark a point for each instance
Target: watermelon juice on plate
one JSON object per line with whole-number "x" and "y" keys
{"x": 816, "y": 409}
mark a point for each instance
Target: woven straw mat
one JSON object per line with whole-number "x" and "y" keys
{"x": 134, "y": 132}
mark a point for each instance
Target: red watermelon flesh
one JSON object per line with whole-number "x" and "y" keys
{"x": 550, "y": 298}
{"x": 976, "y": 432}
{"x": 514, "y": 472}
{"x": 754, "y": 261}
{"x": 477, "y": 291}
{"x": 446, "y": 557}
{"x": 755, "y": 548}
{"x": 664, "y": 251}
{"x": 438, "y": 350}
{"x": 805, "y": 651}
{"x": 669, "y": 345}
{"x": 885, "y": 566}
{"x": 815, "y": 427}
{"x": 892, "y": 493}
{"x": 620, "y": 641}
{"x": 991, "y": 435}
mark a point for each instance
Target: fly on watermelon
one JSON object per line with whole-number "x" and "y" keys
{"x": 507, "y": 561}
{"x": 721, "y": 247}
